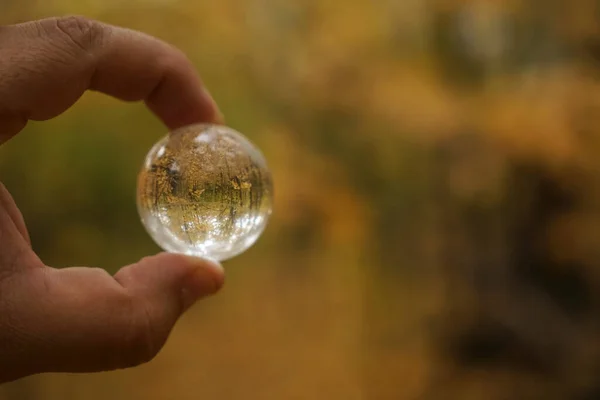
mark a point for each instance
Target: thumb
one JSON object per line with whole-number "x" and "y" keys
{"x": 84, "y": 320}
{"x": 163, "y": 287}
{"x": 171, "y": 282}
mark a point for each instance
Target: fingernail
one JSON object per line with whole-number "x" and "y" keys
{"x": 206, "y": 279}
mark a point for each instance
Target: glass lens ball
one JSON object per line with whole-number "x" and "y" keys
{"x": 205, "y": 190}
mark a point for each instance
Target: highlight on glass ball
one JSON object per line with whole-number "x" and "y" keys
{"x": 206, "y": 191}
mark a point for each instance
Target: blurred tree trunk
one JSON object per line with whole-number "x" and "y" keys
{"x": 509, "y": 306}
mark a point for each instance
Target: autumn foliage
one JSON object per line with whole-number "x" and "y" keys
{"x": 436, "y": 228}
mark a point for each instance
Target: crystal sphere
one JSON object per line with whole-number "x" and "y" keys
{"x": 205, "y": 190}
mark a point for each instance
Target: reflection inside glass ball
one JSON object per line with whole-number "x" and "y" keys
{"x": 205, "y": 190}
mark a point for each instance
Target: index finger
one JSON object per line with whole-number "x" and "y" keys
{"x": 46, "y": 65}
{"x": 134, "y": 66}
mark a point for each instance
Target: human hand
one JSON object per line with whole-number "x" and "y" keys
{"x": 82, "y": 319}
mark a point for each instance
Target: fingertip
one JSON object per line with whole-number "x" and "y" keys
{"x": 191, "y": 262}
{"x": 206, "y": 278}
{"x": 198, "y": 108}
{"x": 212, "y": 267}
{"x": 181, "y": 98}
{"x": 213, "y": 113}
{"x": 193, "y": 277}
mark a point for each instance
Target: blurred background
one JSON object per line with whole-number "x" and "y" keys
{"x": 436, "y": 232}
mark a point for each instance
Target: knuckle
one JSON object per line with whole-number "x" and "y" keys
{"x": 83, "y": 32}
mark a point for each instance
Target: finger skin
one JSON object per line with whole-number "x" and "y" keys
{"x": 46, "y": 65}
{"x": 84, "y": 320}
{"x": 13, "y": 212}
{"x": 15, "y": 251}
